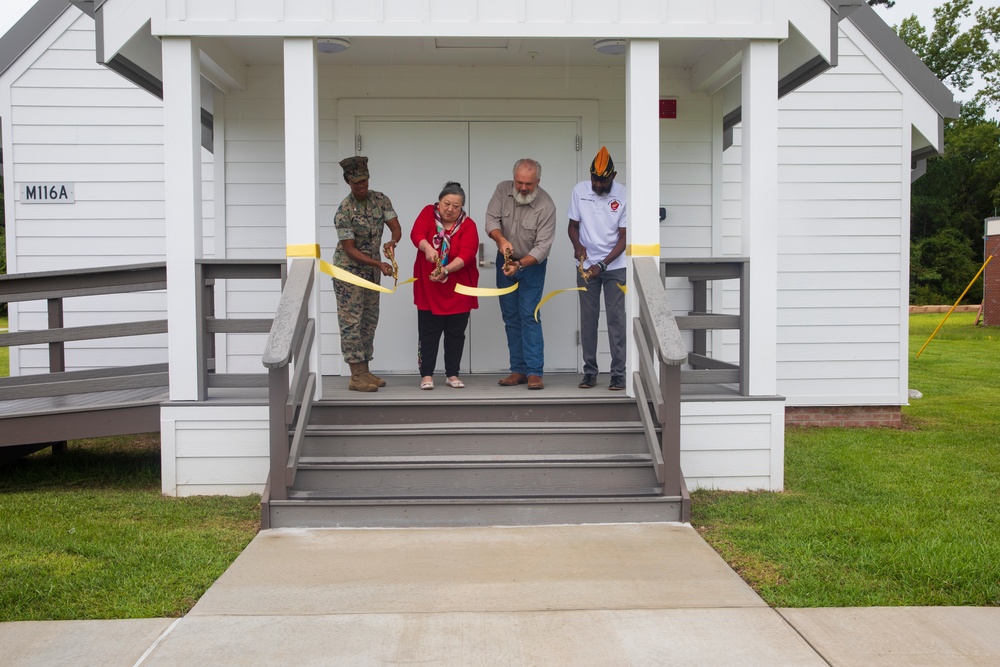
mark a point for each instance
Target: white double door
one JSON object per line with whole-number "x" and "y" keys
{"x": 410, "y": 161}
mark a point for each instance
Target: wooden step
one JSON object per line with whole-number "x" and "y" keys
{"x": 444, "y": 512}
{"x": 551, "y": 492}
{"x": 488, "y": 476}
{"x": 476, "y": 410}
{"x": 470, "y": 438}
{"x": 467, "y": 460}
{"x": 519, "y": 460}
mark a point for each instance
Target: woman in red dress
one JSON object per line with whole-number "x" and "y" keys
{"x": 447, "y": 242}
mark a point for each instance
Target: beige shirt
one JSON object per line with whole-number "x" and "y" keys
{"x": 530, "y": 228}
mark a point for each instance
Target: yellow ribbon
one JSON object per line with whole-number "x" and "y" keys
{"x": 348, "y": 277}
{"x": 623, "y": 288}
{"x": 556, "y": 293}
{"x": 303, "y": 250}
{"x": 643, "y": 250}
{"x": 485, "y": 291}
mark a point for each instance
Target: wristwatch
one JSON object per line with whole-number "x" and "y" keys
{"x": 603, "y": 266}
{"x": 519, "y": 265}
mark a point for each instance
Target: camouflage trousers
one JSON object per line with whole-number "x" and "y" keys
{"x": 357, "y": 313}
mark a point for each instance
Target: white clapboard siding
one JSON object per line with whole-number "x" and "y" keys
{"x": 255, "y": 175}
{"x": 841, "y": 244}
{"x": 213, "y": 450}
{"x": 733, "y": 446}
{"x": 73, "y": 121}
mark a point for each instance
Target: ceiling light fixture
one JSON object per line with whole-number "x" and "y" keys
{"x": 333, "y": 44}
{"x": 610, "y": 47}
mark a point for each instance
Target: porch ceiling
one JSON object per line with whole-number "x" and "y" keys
{"x": 548, "y": 52}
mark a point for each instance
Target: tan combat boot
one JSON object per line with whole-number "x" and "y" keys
{"x": 374, "y": 379}
{"x": 359, "y": 380}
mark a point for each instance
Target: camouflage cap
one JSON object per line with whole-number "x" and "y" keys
{"x": 355, "y": 168}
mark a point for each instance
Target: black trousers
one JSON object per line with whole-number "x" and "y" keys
{"x": 429, "y": 330}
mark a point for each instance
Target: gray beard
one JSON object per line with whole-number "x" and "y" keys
{"x": 525, "y": 199}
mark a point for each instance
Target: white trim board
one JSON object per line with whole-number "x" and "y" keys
{"x": 350, "y": 112}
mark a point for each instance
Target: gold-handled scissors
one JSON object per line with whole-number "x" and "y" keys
{"x": 390, "y": 254}
{"x": 438, "y": 269}
{"x": 584, "y": 273}
{"x": 507, "y": 259}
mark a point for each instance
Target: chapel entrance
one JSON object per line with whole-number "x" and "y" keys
{"x": 410, "y": 161}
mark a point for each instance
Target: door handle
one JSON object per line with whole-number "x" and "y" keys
{"x": 482, "y": 257}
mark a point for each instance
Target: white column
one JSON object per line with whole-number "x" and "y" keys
{"x": 182, "y": 181}
{"x": 642, "y": 159}
{"x": 760, "y": 208}
{"x": 302, "y": 165}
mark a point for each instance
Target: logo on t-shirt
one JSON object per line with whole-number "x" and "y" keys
{"x": 615, "y": 204}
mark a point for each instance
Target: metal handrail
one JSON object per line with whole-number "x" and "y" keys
{"x": 661, "y": 353}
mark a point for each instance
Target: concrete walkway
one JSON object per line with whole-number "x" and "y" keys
{"x": 623, "y": 594}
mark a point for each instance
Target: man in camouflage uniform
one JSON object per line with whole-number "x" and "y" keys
{"x": 360, "y": 221}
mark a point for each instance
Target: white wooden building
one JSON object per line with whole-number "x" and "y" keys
{"x": 213, "y": 128}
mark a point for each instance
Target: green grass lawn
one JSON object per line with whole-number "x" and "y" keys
{"x": 87, "y": 535}
{"x": 883, "y": 516}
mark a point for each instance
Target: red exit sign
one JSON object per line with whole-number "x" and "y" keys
{"x": 668, "y": 108}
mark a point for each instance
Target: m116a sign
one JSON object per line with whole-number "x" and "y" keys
{"x": 47, "y": 193}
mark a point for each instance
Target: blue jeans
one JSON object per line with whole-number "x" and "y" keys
{"x": 524, "y": 334}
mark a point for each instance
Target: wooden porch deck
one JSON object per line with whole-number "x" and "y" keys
{"x": 41, "y": 410}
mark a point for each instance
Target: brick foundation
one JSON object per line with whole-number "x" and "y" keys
{"x": 991, "y": 283}
{"x": 855, "y": 416}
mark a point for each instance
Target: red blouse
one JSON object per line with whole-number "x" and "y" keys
{"x": 440, "y": 298}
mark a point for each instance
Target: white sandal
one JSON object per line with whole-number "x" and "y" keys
{"x": 456, "y": 383}
{"x": 427, "y": 384}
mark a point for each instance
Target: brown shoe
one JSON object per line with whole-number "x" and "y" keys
{"x": 535, "y": 382}
{"x": 513, "y": 379}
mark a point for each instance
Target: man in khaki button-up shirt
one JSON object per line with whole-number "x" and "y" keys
{"x": 521, "y": 218}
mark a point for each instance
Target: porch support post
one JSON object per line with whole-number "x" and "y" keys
{"x": 302, "y": 166}
{"x": 182, "y": 180}
{"x": 760, "y": 209}
{"x": 642, "y": 161}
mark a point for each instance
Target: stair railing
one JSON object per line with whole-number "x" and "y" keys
{"x": 657, "y": 382}
{"x": 55, "y": 286}
{"x": 207, "y": 272}
{"x": 290, "y": 399}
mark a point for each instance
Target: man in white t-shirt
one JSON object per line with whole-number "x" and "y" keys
{"x": 597, "y": 230}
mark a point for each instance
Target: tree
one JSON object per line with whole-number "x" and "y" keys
{"x": 941, "y": 267}
{"x": 949, "y": 203}
{"x": 956, "y": 57}
{"x": 961, "y": 187}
